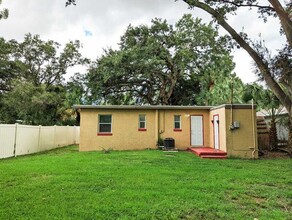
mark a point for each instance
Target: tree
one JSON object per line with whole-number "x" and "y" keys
{"x": 276, "y": 72}
{"x": 221, "y": 90}
{"x": 3, "y": 12}
{"x": 33, "y": 87}
{"x": 156, "y": 63}
{"x": 76, "y": 93}
{"x": 8, "y": 68}
{"x": 40, "y": 62}
{"x": 32, "y": 104}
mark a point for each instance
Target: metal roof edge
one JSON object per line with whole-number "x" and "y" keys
{"x": 144, "y": 107}
{"x": 234, "y": 106}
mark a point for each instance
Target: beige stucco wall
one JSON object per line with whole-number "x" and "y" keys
{"x": 241, "y": 141}
{"x": 125, "y": 134}
{"x": 160, "y": 123}
{"x": 222, "y": 128}
{"x": 237, "y": 142}
{"x": 183, "y": 137}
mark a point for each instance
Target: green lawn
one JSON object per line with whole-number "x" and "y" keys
{"x": 150, "y": 184}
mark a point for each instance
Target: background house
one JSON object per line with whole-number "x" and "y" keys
{"x": 282, "y": 118}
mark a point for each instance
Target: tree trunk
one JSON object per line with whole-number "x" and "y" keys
{"x": 289, "y": 144}
{"x": 273, "y": 134}
{"x": 284, "y": 97}
{"x": 286, "y": 22}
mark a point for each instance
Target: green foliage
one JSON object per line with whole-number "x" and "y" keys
{"x": 3, "y": 12}
{"x": 41, "y": 64}
{"x": 8, "y": 68}
{"x": 33, "y": 104}
{"x": 265, "y": 100}
{"x": 77, "y": 90}
{"x": 67, "y": 184}
{"x": 32, "y": 81}
{"x": 221, "y": 90}
{"x": 161, "y": 64}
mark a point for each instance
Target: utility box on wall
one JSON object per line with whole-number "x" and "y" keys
{"x": 236, "y": 124}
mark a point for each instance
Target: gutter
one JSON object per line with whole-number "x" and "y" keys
{"x": 142, "y": 107}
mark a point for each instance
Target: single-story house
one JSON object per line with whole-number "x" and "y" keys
{"x": 230, "y": 128}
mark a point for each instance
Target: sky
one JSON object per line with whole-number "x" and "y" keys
{"x": 100, "y": 24}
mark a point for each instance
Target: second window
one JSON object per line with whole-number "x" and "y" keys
{"x": 142, "y": 122}
{"x": 177, "y": 122}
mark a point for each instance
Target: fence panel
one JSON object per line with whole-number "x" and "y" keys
{"x": 27, "y": 140}
{"x": 32, "y": 139}
{"x": 77, "y": 135}
{"x": 7, "y": 140}
{"x": 61, "y": 137}
{"x": 47, "y": 138}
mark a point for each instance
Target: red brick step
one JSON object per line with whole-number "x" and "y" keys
{"x": 207, "y": 152}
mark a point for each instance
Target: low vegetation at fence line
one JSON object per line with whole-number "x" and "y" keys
{"x": 150, "y": 184}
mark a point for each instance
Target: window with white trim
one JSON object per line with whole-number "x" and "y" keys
{"x": 104, "y": 123}
{"x": 142, "y": 122}
{"x": 177, "y": 122}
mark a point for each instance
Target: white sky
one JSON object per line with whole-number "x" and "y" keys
{"x": 99, "y": 24}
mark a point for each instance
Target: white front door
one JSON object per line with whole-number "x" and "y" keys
{"x": 197, "y": 135}
{"x": 216, "y": 131}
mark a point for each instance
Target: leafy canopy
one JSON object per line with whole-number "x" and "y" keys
{"x": 32, "y": 86}
{"x": 162, "y": 64}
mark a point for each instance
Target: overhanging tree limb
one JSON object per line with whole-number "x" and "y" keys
{"x": 248, "y": 5}
{"x": 271, "y": 82}
{"x": 285, "y": 20}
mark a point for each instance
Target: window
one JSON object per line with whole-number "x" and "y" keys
{"x": 104, "y": 124}
{"x": 142, "y": 123}
{"x": 177, "y": 123}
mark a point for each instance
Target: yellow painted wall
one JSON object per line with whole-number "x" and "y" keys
{"x": 125, "y": 134}
{"x": 237, "y": 142}
{"x": 240, "y": 141}
{"x": 182, "y": 138}
{"x": 222, "y": 128}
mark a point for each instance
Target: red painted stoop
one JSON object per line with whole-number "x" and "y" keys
{"x": 207, "y": 152}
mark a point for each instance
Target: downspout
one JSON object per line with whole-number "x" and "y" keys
{"x": 163, "y": 123}
{"x": 231, "y": 102}
{"x": 231, "y": 118}
{"x": 157, "y": 134}
{"x": 253, "y": 130}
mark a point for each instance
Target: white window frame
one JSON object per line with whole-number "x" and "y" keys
{"x": 99, "y": 123}
{"x": 176, "y": 121}
{"x": 139, "y": 121}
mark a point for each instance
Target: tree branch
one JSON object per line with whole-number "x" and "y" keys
{"x": 248, "y": 5}
{"x": 274, "y": 86}
{"x": 285, "y": 20}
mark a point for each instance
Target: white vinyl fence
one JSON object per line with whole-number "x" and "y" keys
{"x": 18, "y": 139}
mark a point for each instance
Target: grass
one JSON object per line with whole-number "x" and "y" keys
{"x": 150, "y": 184}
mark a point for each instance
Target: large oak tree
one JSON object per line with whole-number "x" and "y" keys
{"x": 162, "y": 64}
{"x": 32, "y": 85}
